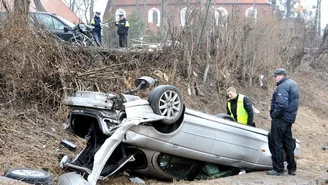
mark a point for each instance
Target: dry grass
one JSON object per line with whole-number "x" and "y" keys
{"x": 37, "y": 71}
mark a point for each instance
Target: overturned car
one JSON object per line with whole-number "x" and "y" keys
{"x": 158, "y": 137}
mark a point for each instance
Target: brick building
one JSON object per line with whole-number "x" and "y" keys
{"x": 176, "y": 9}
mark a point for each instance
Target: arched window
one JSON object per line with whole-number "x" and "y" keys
{"x": 118, "y": 12}
{"x": 221, "y": 15}
{"x": 154, "y": 16}
{"x": 251, "y": 12}
{"x": 183, "y": 16}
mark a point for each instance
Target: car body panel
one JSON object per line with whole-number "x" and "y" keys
{"x": 132, "y": 126}
{"x": 54, "y": 23}
{"x": 212, "y": 140}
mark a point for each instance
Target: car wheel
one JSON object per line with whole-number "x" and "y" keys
{"x": 33, "y": 176}
{"x": 166, "y": 100}
{"x": 71, "y": 178}
{"x": 75, "y": 41}
{"x": 225, "y": 116}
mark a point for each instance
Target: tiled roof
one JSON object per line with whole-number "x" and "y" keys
{"x": 51, "y": 6}
{"x": 60, "y": 8}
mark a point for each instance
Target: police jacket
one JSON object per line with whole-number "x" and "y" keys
{"x": 122, "y": 27}
{"x": 234, "y": 107}
{"x": 96, "y": 23}
{"x": 284, "y": 103}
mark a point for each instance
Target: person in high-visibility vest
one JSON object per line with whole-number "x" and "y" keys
{"x": 240, "y": 107}
{"x": 122, "y": 30}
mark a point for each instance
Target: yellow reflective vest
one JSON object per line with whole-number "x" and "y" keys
{"x": 242, "y": 115}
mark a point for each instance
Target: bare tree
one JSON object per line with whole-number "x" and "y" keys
{"x": 164, "y": 19}
{"x": 92, "y": 4}
{"x": 22, "y": 6}
{"x": 318, "y": 17}
{"x": 145, "y": 12}
{"x": 288, "y": 8}
{"x": 319, "y": 61}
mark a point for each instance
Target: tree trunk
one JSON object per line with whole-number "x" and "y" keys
{"x": 22, "y": 6}
{"x": 319, "y": 16}
{"x": 145, "y": 14}
{"x": 72, "y": 6}
{"x": 273, "y": 5}
{"x": 245, "y": 53}
{"x": 92, "y": 4}
{"x": 164, "y": 27}
{"x": 204, "y": 25}
{"x": 288, "y": 8}
{"x": 319, "y": 61}
{"x": 138, "y": 9}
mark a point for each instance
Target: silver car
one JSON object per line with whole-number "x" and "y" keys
{"x": 158, "y": 137}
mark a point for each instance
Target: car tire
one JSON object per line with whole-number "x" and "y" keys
{"x": 225, "y": 116}
{"x": 75, "y": 41}
{"x": 166, "y": 100}
{"x": 33, "y": 176}
{"x": 71, "y": 178}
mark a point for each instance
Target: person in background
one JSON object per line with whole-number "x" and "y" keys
{"x": 283, "y": 111}
{"x": 96, "y": 22}
{"x": 122, "y": 30}
{"x": 240, "y": 107}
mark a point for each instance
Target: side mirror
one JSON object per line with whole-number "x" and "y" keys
{"x": 141, "y": 83}
{"x": 144, "y": 82}
{"x": 66, "y": 29}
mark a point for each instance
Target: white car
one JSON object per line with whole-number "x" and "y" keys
{"x": 159, "y": 137}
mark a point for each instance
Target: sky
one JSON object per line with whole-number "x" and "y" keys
{"x": 324, "y": 9}
{"x": 100, "y": 5}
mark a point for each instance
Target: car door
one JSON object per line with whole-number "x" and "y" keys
{"x": 208, "y": 138}
{"x": 54, "y": 25}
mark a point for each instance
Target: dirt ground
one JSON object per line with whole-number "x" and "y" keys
{"x": 311, "y": 128}
{"x": 29, "y": 139}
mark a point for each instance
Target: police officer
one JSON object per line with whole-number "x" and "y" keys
{"x": 240, "y": 107}
{"x": 284, "y": 106}
{"x": 96, "y": 21}
{"x": 122, "y": 30}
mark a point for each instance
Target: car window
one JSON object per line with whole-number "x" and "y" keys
{"x": 177, "y": 167}
{"x": 50, "y": 22}
{"x": 57, "y": 24}
{"x": 65, "y": 21}
{"x": 189, "y": 169}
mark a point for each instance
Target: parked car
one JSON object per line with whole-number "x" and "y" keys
{"x": 79, "y": 34}
{"x": 54, "y": 23}
{"x": 158, "y": 137}
{"x": 83, "y": 35}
